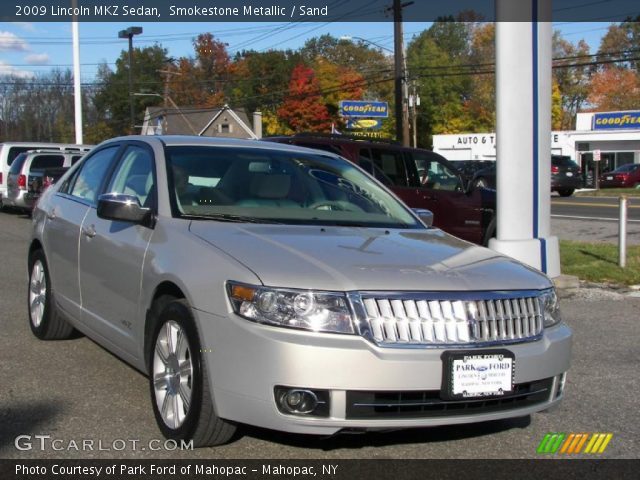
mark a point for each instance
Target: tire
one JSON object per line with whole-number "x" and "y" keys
{"x": 566, "y": 192}
{"x": 179, "y": 383}
{"x": 637, "y": 186}
{"x": 44, "y": 320}
{"x": 489, "y": 233}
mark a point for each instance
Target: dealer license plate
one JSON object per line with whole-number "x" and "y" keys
{"x": 478, "y": 374}
{"x": 609, "y": 178}
{"x": 569, "y": 174}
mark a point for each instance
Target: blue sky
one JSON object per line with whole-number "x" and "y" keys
{"x": 29, "y": 48}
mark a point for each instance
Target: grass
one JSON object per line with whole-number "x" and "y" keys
{"x": 610, "y": 192}
{"x": 598, "y": 262}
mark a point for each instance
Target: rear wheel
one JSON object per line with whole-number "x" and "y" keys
{"x": 44, "y": 320}
{"x": 179, "y": 383}
{"x": 566, "y": 192}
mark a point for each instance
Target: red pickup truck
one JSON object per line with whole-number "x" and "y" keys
{"x": 421, "y": 178}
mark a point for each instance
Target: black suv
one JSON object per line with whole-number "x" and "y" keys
{"x": 565, "y": 176}
{"x": 421, "y": 178}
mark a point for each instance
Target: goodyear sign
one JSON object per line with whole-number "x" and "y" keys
{"x": 357, "y": 108}
{"x": 364, "y": 124}
{"x": 616, "y": 120}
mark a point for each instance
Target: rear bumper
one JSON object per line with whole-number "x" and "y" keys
{"x": 15, "y": 198}
{"x": 247, "y": 361}
{"x": 566, "y": 182}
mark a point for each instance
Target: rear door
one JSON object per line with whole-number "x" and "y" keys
{"x": 65, "y": 213}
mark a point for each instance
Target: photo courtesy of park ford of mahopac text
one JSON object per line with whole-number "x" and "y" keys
{"x": 331, "y": 239}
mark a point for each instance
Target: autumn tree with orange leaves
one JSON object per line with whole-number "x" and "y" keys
{"x": 303, "y": 108}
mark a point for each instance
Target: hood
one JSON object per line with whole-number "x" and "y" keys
{"x": 350, "y": 258}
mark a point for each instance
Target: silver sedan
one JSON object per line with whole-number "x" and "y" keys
{"x": 286, "y": 288}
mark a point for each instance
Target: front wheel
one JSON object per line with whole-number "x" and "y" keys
{"x": 179, "y": 382}
{"x": 44, "y": 320}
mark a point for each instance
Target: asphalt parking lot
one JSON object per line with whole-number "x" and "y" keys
{"x": 74, "y": 390}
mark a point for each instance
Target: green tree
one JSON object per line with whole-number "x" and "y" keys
{"x": 112, "y": 97}
{"x": 571, "y": 78}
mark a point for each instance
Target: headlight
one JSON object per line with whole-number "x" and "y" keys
{"x": 550, "y": 308}
{"x": 316, "y": 311}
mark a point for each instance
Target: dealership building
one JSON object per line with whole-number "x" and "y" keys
{"x": 613, "y": 136}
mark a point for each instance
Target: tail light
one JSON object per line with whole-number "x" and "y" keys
{"x": 554, "y": 169}
{"x": 0, "y": 178}
{"x": 622, "y": 176}
{"x": 48, "y": 181}
{"x": 22, "y": 182}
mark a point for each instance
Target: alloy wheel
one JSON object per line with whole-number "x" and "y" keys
{"x": 172, "y": 374}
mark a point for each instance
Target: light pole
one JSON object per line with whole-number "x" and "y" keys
{"x": 129, "y": 33}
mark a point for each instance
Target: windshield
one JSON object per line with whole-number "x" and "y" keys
{"x": 262, "y": 185}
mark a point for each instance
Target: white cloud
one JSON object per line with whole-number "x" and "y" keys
{"x": 11, "y": 42}
{"x": 10, "y": 70}
{"x": 37, "y": 59}
{"x": 27, "y": 26}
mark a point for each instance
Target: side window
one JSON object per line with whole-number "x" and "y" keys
{"x": 92, "y": 174}
{"x": 438, "y": 176}
{"x": 134, "y": 175}
{"x": 365, "y": 161}
{"x": 389, "y": 167}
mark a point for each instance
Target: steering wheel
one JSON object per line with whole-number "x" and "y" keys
{"x": 335, "y": 205}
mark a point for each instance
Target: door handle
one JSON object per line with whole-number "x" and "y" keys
{"x": 89, "y": 231}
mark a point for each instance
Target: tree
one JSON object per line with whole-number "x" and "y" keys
{"x": 303, "y": 108}
{"x": 112, "y": 96}
{"x": 337, "y": 83}
{"x": 442, "y": 94}
{"x": 260, "y": 78}
{"x": 615, "y": 89}
{"x": 572, "y": 81}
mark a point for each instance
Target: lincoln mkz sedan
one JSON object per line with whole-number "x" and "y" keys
{"x": 278, "y": 286}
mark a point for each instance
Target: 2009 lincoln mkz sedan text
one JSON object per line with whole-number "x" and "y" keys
{"x": 286, "y": 288}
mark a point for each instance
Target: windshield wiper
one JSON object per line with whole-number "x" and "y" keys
{"x": 228, "y": 217}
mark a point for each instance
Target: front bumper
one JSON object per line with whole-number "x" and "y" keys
{"x": 246, "y": 361}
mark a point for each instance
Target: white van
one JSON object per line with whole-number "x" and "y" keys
{"x": 10, "y": 150}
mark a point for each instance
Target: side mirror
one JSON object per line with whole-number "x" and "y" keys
{"x": 124, "y": 208}
{"x": 426, "y": 216}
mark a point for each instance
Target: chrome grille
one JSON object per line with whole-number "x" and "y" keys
{"x": 393, "y": 321}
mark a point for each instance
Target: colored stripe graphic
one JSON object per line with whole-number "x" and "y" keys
{"x": 573, "y": 443}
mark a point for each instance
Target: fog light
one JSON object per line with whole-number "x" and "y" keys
{"x": 301, "y": 401}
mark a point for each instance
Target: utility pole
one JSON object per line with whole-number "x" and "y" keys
{"x": 129, "y": 33}
{"x": 166, "y": 74}
{"x": 402, "y": 112}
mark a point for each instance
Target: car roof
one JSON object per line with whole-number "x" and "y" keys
{"x": 193, "y": 140}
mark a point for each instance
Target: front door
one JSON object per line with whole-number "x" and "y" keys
{"x": 112, "y": 254}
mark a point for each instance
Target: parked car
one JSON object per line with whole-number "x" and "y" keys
{"x": 625, "y": 176}
{"x": 245, "y": 277}
{"x": 565, "y": 176}
{"x": 421, "y": 178}
{"x": 39, "y": 180}
{"x": 468, "y": 168}
{"x": 10, "y": 150}
{"x": 31, "y": 161}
